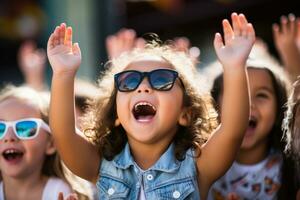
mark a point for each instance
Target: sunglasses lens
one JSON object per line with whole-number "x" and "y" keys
{"x": 162, "y": 79}
{"x": 26, "y": 129}
{"x": 128, "y": 81}
{"x": 2, "y": 129}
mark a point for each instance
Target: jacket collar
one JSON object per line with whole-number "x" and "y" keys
{"x": 166, "y": 163}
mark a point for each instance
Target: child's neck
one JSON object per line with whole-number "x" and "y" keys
{"x": 252, "y": 155}
{"x": 30, "y": 187}
{"x": 146, "y": 155}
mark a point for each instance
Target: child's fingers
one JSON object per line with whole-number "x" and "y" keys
{"x": 50, "y": 44}
{"x": 140, "y": 43}
{"x": 72, "y": 197}
{"x": 76, "y": 49}
{"x": 62, "y": 33}
{"x": 218, "y": 41}
{"x": 228, "y": 32}
{"x": 244, "y": 24}
{"x": 292, "y": 22}
{"x": 298, "y": 28}
{"x": 284, "y": 21}
{"x": 68, "y": 37}
{"x": 56, "y": 34}
{"x": 276, "y": 31}
{"x": 60, "y": 196}
{"x": 128, "y": 38}
{"x": 236, "y": 24}
{"x": 250, "y": 31}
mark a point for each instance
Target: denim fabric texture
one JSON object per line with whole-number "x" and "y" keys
{"x": 168, "y": 178}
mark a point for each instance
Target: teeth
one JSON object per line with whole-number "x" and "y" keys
{"x": 10, "y": 151}
{"x": 144, "y": 104}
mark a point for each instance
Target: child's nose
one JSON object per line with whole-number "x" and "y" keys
{"x": 10, "y": 136}
{"x": 144, "y": 86}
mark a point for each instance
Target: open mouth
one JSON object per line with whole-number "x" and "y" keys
{"x": 143, "y": 111}
{"x": 12, "y": 154}
{"x": 252, "y": 123}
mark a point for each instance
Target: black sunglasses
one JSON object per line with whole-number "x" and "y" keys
{"x": 159, "y": 79}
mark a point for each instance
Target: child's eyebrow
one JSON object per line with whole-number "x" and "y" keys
{"x": 267, "y": 89}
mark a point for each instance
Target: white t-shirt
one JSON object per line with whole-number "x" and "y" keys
{"x": 138, "y": 170}
{"x": 51, "y": 190}
{"x": 260, "y": 181}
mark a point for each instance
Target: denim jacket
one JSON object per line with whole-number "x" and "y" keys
{"x": 167, "y": 179}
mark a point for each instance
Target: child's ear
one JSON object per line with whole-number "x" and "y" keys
{"x": 117, "y": 122}
{"x": 185, "y": 117}
{"x": 50, "y": 148}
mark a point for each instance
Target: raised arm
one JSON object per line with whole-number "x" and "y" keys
{"x": 32, "y": 63}
{"x": 79, "y": 155}
{"x": 286, "y": 42}
{"x": 219, "y": 152}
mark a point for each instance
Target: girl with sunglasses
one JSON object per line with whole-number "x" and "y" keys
{"x": 29, "y": 165}
{"x": 147, "y": 132}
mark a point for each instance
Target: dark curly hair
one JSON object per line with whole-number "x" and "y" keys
{"x": 281, "y": 86}
{"x": 99, "y": 123}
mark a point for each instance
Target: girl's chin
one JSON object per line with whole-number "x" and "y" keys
{"x": 247, "y": 144}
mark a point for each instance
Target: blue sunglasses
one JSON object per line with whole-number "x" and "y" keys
{"x": 159, "y": 79}
{"x": 24, "y": 128}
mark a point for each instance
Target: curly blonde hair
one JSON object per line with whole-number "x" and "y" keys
{"x": 100, "y": 119}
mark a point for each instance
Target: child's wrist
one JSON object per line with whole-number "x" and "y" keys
{"x": 63, "y": 75}
{"x": 234, "y": 68}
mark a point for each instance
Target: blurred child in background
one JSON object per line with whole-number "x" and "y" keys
{"x": 261, "y": 170}
{"x": 29, "y": 164}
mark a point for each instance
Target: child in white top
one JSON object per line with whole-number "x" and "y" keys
{"x": 260, "y": 171}
{"x": 30, "y": 167}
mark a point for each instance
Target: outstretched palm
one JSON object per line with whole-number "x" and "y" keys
{"x": 64, "y": 56}
{"x": 238, "y": 40}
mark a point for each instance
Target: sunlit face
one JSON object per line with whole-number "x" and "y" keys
{"x": 147, "y": 115}
{"x": 263, "y": 109}
{"x": 21, "y": 158}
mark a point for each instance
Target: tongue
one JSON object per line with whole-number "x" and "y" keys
{"x": 144, "y": 118}
{"x": 13, "y": 158}
{"x": 250, "y": 130}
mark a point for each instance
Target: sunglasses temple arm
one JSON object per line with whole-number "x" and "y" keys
{"x": 45, "y": 126}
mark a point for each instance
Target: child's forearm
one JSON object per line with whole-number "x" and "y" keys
{"x": 36, "y": 81}
{"x": 62, "y": 119}
{"x": 235, "y": 104}
{"x": 72, "y": 147}
{"x": 291, "y": 61}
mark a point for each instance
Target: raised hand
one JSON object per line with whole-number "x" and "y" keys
{"x": 285, "y": 34}
{"x": 32, "y": 63}
{"x": 183, "y": 44}
{"x": 238, "y": 41}
{"x": 124, "y": 40}
{"x": 64, "y": 56}
{"x": 287, "y": 41}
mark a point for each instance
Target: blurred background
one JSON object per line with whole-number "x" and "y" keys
{"x": 94, "y": 20}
